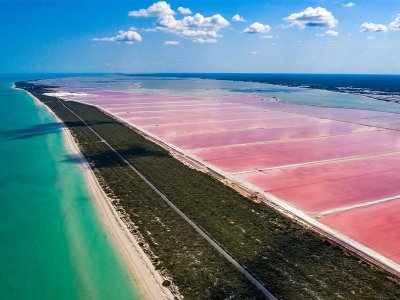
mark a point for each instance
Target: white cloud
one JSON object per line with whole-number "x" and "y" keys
{"x": 204, "y": 41}
{"x": 238, "y": 18}
{"x": 349, "y": 5}
{"x": 331, "y": 33}
{"x": 129, "y": 37}
{"x": 312, "y": 17}
{"x": 257, "y": 27}
{"x": 194, "y": 27}
{"x": 172, "y": 43}
{"x": 373, "y": 27}
{"x": 198, "y": 28}
{"x": 370, "y": 37}
{"x": 254, "y": 52}
{"x": 395, "y": 25}
{"x": 328, "y": 33}
{"x": 184, "y": 11}
{"x": 158, "y": 9}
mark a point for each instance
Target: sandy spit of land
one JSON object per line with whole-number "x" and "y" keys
{"x": 146, "y": 278}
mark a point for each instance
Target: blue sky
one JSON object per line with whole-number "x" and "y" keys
{"x": 126, "y": 36}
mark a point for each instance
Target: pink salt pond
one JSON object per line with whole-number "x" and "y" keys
{"x": 241, "y": 158}
{"x": 375, "y": 226}
{"x": 266, "y": 135}
{"x": 324, "y": 186}
{"x": 317, "y": 160}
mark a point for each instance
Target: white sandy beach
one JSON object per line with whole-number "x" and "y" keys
{"x": 145, "y": 277}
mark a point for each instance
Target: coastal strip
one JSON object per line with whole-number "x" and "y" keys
{"x": 204, "y": 234}
{"x": 143, "y": 273}
{"x": 189, "y": 265}
{"x": 145, "y": 277}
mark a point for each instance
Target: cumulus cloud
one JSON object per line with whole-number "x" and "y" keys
{"x": 328, "y": 33}
{"x": 184, "y": 11}
{"x": 130, "y": 37}
{"x": 172, "y": 43}
{"x": 257, "y": 27}
{"x": 373, "y": 27}
{"x": 204, "y": 41}
{"x": 158, "y": 9}
{"x": 238, "y": 18}
{"x": 197, "y": 27}
{"x": 395, "y": 25}
{"x": 349, "y": 5}
{"x": 312, "y": 17}
{"x": 331, "y": 33}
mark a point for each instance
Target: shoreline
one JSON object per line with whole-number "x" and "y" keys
{"x": 141, "y": 270}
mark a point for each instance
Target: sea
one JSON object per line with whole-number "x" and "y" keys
{"x": 53, "y": 244}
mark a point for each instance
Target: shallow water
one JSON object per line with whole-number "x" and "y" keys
{"x": 53, "y": 245}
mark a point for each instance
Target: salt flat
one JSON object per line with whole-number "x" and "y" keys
{"x": 317, "y": 160}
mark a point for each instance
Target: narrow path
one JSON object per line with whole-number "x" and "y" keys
{"x": 202, "y": 232}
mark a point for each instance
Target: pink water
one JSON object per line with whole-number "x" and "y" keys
{"x": 314, "y": 158}
{"x": 375, "y": 226}
{"x": 267, "y": 155}
{"x": 330, "y": 185}
{"x": 266, "y": 135}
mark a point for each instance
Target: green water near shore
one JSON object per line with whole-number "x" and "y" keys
{"x": 53, "y": 245}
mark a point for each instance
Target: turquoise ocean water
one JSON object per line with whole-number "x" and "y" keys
{"x": 53, "y": 245}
